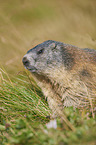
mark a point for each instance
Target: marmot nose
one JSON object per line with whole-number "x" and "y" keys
{"x": 25, "y": 61}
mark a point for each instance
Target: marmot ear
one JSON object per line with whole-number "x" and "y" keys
{"x": 52, "y": 45}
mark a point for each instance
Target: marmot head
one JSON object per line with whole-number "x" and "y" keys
{"x": 43, "y": 57}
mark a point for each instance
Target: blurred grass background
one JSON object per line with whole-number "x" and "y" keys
{"x": 25, "y": 23}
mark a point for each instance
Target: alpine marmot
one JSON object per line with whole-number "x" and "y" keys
{"x": 65, "y": 73}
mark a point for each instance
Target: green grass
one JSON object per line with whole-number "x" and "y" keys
{"x": 23, "y": 109}
{"x": 23, "y": 117}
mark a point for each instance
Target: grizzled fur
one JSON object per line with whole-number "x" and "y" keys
{"x": 65, "y": 73}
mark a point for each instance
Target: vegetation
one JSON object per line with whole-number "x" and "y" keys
{"x": 23, "y": 110}
{"x": 23, "y": 117}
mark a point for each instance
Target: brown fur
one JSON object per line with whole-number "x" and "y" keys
{"x": 73, "y": 82}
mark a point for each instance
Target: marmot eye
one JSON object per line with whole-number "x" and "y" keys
{"x": 40, "y": 51}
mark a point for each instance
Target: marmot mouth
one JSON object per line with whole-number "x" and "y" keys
{"x": 32, "y": 69}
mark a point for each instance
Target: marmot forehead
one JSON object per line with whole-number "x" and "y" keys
{"x": 45, "y": 44}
